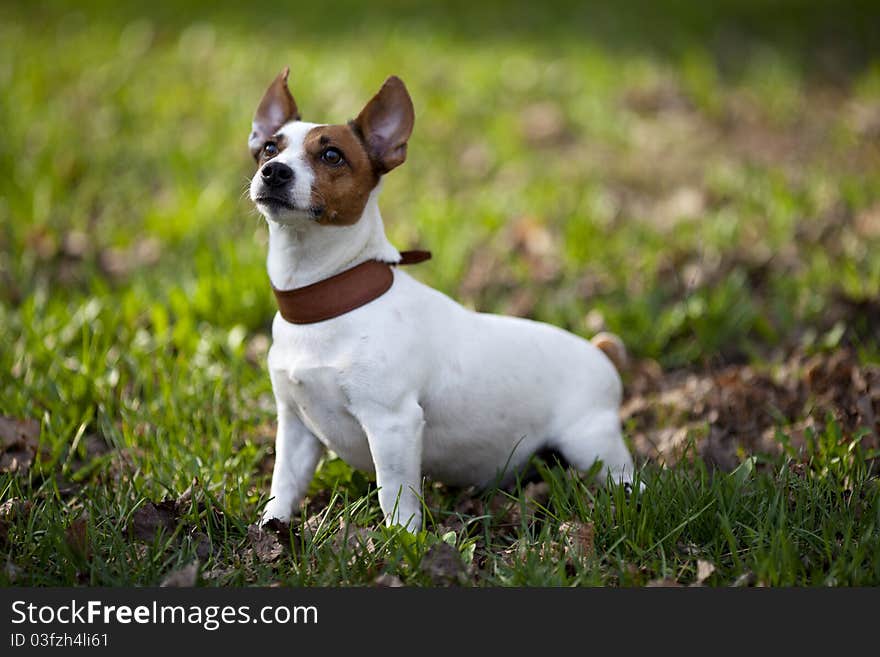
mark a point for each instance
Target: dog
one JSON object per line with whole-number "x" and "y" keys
{"x": 393, "y": 376}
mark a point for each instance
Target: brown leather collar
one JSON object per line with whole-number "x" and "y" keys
{"x": 342, "y": 293}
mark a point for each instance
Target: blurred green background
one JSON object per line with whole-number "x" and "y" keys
{"x": 704, "y": 175}
{"x": 700, "y": 177}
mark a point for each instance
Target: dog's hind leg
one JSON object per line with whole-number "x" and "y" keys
{"x": 597, "y": 438}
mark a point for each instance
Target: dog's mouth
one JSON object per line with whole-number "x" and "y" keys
{"x": 275, "y": 203}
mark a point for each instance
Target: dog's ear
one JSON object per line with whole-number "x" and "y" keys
{"x": 386, "y": 123}
{"x": 277, "y": 108}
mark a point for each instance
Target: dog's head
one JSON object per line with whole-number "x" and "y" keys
{"x": 325, "y": 173}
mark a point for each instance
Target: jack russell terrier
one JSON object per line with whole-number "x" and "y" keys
{"x": 395, "y": 377}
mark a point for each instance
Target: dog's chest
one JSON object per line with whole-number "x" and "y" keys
{"x": 314, "y": 388}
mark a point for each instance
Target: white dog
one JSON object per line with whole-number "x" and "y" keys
{"x": 392, "y": 375}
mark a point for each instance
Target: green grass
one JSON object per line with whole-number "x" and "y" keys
{"x": 784, "y": 527}
{"x": 708, "y": 181}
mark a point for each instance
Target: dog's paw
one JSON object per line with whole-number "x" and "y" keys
{"x": 272, "y": 514}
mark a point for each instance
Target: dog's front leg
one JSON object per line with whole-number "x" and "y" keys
{"x": 297, "y": 451}
{"x": 394, "y": 433}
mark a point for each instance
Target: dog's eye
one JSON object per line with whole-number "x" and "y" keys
{"x": 333, "y": 157}
{"x": 270, "y": 149}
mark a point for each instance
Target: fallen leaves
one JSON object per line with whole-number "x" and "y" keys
{"x": 358, "y": 540}
{"x": 738, "y": 409}
{"x": 577, "y": 539}
{"x": 257, "y": 349}
{"x": 118, "y": 262}
{"x": 264, "y": 541}
{"x": 476, "y": 159}
{"x": 387, "y": 581}
{"x": 12, "y": 571}
{"x": 543, "y": 124}
{"x": 685, "y": 203}
{"x": 63, "y": 256}
{"x": 10, "y": 511}
{"x": 574, "y": 546}
{"x": 186, "y": 576}
{"x": 77, "y": 538}
{"x": 442, "y": 563}
{"x": 19, "y": 440}
{"x": 518, "y": 262}
{"x": 867, "y": 222}
{"x": 167, "y": 518}
{"x": 529, "y": 237}
{"x": 704, "y": 570}
{"x": 150, "y": 519}
{"x": 661, "y": 97}
{"x": 14, "y": 508}
{"x": 663, "y": 582}
{"x": 748, "y": 578}
{"x": 202, "y": 544}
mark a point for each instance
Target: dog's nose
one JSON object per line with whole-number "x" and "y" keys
{"x": 276, "y": 174}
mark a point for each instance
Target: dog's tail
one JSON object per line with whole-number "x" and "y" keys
{"x": 613, "y": 347}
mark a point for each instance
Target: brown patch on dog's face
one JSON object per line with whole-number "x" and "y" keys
{"x": 344, "y": 174}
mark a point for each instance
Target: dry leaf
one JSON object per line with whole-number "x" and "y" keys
{"x": 118, "y": 262}
{"x": 257, "y": 348}
{"x": 529, "y": 237}
{"x": 12, "y": 571}
{"x": 475, "y": 159}
{"x": 77, "y": 538}
{"x": 356, "y": 539}
{"x": 867, "y": 223}
{"x": 543, "y": 124}
{"x": 14, "y": 507}
{"x": 658, "y": 98}
{"x": 15, "y": 432}
{"x": 186, "y": 496}
{"x": 746, "y": 579}
{"x": 536, "y": 495}
{"x": 18, "y": 444}
{"x": 704, "y": 570}
{"x": 443, "y": 564}
{"x": 664, "y": 582}
{"x": 265, "y": 543}
{"x": 578, "y": 539}
{"x": 151, "y": 519}
{"x": 182, "y": 577}
{"x": 9, "y": 511}
{"x": 387, "y": 580}
{"x": 736, "y": 410}
{"x": 75, "y": 244}
{"x": 684, "y": 203}
{"x": 217, "y": 573}
{"x": 203, "y": 546}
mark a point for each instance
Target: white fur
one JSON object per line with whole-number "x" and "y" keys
{"x": 414, "y": 384}
{"x": 293, "y": 156}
